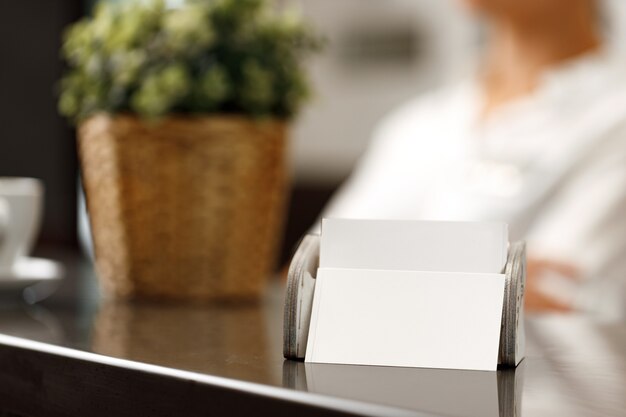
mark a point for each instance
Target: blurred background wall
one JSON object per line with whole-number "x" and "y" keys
{"x": 34, "y": 140}
{"x": 378, "y": 55}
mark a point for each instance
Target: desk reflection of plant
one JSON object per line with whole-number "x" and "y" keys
{"x": 182, "y": 116}
{"x": 218, "y": 340}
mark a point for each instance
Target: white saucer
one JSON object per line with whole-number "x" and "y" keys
{"x": 30, "y": 271}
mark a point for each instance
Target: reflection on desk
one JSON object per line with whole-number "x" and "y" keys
{"x": 575, "y": 367}
{"x": 229, "y": 340}
{"x": 439, "y": 391}
{"x": 31, "y": 322}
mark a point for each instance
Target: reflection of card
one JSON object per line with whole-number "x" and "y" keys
{"x": 475, "y": 393}
{"x": 406, "y": 318}
{"x": 414, "y": 245}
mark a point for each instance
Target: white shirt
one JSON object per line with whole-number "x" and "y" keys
{"x": 552, "y": 165}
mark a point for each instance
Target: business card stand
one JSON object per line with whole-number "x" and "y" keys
{"x": 301, "y": 287}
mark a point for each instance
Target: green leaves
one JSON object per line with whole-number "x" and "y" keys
{"x": 161, "y": 90}
{"x": 208, "y": 56}
{"x": 186, "y": 31}
{"x": 211, "y": 90}
{"x": 256, "y": 94}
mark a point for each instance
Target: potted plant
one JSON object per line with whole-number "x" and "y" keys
{"x": 182, "y": 117}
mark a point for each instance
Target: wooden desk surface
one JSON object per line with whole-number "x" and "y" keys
{"x": 74, "y": 355}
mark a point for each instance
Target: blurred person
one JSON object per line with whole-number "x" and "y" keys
{"x": 535, "y": 138}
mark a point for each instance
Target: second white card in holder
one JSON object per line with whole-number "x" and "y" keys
{"x": 414, "y": 245}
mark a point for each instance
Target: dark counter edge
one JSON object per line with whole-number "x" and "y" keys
{"x": 39, "y": 379}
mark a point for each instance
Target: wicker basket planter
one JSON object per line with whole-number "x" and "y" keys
{"x": 189, "y": 208}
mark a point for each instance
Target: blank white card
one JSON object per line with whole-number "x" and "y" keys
{"x": 414, "y": 318}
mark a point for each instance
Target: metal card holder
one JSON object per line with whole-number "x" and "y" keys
{"x": 301, "y": 287}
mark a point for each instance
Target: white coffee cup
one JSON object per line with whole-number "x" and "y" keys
{"x": 21, "y": 201}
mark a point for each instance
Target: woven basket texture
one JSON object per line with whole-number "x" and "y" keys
{"x": 184, "y": 208}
